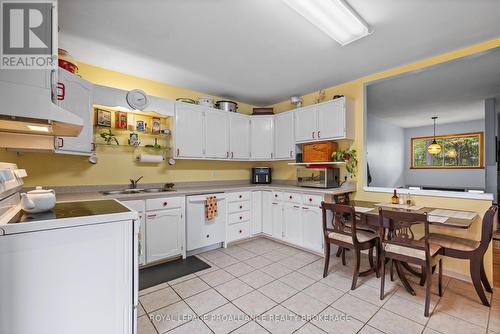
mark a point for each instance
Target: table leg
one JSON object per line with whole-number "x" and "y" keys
{"x": 410, "y": 269}
{"x": 403, "y": 279}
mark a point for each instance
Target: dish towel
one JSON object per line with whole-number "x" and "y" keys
{"x": 211, "y": 207}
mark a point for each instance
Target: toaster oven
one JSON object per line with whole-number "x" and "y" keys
{"x": 261, "y": 175}
{"x": 318, "y": 177}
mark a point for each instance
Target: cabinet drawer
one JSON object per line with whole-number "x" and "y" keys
{"x": 238, "y": 231}
{"x": 276, "y": 195}
{"x": 164, "y": 203}
{"x": 239, "y": 217}
{"x": 314, "y": 200}
{"x": 292, "y": 197}
{"x": 239, "y": 206}
{"x": 239, "y": 196}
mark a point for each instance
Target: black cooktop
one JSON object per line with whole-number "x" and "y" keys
{"x": 71, "y": 210}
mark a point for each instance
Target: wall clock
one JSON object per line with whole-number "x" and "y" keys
{"x": 137, "y": 99}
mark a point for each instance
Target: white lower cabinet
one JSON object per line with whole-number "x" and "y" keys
{"x": 239, "y": 218}
{"x": 312, "y": 228}
{"x": 165, "y": 226}
{"x": 292, "y": 223}
{"x": 267, "y": 219}
{"x": 277, "y": 219}
{"x": 257, "y": 214}
{"x": 163, "y": 234}
{"x": 292, "y": 217}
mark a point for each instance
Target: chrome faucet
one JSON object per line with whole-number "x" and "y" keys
{"x": 133, "y": 183}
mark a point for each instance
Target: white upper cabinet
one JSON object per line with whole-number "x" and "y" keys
{"x": 239, "y": 136}
{"x": 325, "y": 121}
{"x": 305, "y": 124}
{"x": 75, "y": 95}
{"x": 216, "y": 134}
{"x": 331, "y": 120}
{"x": 262, "y": 137}
{"x": 188, "y": 132}
{"x": 284, "y": 141}
{"x": 206, "y": 133}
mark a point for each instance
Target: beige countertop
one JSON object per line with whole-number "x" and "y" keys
{"x": 89, "y": 194}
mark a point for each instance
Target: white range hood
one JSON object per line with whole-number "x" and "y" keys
{"x": 29, "y": 109}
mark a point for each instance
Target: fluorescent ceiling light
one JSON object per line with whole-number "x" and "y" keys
{"x": 38, "y": 128}
{"x": 334, "y": 17}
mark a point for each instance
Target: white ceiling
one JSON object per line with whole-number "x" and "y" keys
{"x": 261, "y": 51}
{"x": 454, "y": 91}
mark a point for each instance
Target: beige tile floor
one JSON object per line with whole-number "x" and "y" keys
{"x": 262, "y": 286}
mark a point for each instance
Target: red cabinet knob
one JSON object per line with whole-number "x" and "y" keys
{"x": 241, "y": 196}
{"x": 165, "y": 203}
{"x": 241, "y": 206}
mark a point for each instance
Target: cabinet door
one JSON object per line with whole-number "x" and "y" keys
{"x": 216, "y": 134}
{"x": 312, "y": 228}
{"x": 163, "y": 234}
{"x": 284, "y": 140}
{"x": 256, "y": 212}
{"x": 75, "y": 95}
{"x": 267, "y": 218}
{"x": 292, "y": 224}
{"x": 331, "y": 120}
{"x": 277, "y": 219}
{"x": 262, "y": 137}
{"x": 188, "y": 134}
{"x": 305, "y": 124}
{"x": 239, "y": 136}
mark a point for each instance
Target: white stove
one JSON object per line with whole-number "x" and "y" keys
{"x": 69, "y": 270}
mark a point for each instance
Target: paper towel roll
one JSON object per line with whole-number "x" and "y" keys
{"x": 150, "y": 158}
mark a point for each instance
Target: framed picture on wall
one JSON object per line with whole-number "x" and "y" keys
{"x": 155, "y": 129}
{"x": 140, "y": 126}
{"x": 103, "y": 118}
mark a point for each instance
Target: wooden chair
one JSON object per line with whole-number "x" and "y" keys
{"x": 345, "y": 235}
{"x": 400, "y": 245}
{"x": 471, "y": 250}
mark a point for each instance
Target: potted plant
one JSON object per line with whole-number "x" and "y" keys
{"x": 350, "y": 159}
{"x": 109, "y": 138}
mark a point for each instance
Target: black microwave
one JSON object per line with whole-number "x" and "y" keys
{"x": 261, "y": 175}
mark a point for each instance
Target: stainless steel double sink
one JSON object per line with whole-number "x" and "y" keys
{"x": 136, "y": 191}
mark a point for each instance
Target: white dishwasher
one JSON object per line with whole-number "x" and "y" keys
{"x": 200, "y": 231}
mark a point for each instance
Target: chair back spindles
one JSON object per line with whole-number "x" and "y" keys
{"x": 402, "y": 233}
{"x": 343, "y": 219}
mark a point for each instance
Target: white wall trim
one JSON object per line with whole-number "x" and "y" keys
{"x": 435, "y": 193}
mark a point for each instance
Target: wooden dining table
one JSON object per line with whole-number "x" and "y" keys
{"x": 371, "y": 219}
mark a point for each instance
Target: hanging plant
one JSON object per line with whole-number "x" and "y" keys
{"x": 350, "y": 159}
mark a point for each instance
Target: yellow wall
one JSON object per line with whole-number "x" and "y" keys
{"x": 354, "y": 90}
{"x": 117, "y": 165}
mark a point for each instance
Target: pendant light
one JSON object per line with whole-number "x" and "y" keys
{"x": 434, "y": 148}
